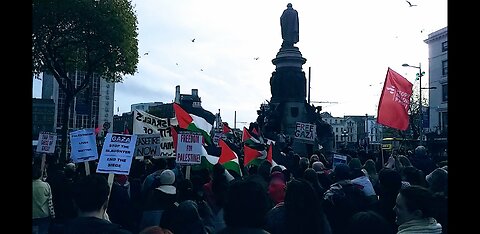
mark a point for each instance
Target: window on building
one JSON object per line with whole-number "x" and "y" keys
{"x": 444, "y": 119}
{"x": 444, "y": 46}
{"x": 445, "y": 67}
{"x": 335, "y": 121}
{"x": 336, "y": 137}
{"x": 445, "y": 93}
{"x": 336, "y": 129}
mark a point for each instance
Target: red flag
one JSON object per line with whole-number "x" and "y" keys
{"x": 97, "y": 130}
{"x": 226, "y": 128}
{"x": 394, "y": 101}
{"x": 174, "y": 136}
{"x": 227, "y": 154}
{"x": 246, "y": 135}
{"x": 125, "y": 129}
{"x": 255, "y": 131}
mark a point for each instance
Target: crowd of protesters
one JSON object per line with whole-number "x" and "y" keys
{"x": 404, "y": 194}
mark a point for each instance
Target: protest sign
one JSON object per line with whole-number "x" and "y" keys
{"x": 145, "y": 123}
{"x": 46, "y": 142}
{"x": 339, "y": 159}
{"x": 117, "y": 153}
{"x": 305, "y": 132}
{"x": 84, "y": 145}
{"x": 189, "y": 148}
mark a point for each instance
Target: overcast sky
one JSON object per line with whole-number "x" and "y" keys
{"x": 348, "y": 44}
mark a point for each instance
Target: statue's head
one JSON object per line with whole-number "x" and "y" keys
{"x": 289, "y": 5}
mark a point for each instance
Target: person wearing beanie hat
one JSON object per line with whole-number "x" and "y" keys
{"x": 167, "y": 179}
{"x": 160, "y": 202}
{"x": 438, "y": 181}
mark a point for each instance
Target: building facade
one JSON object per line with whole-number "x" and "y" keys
{"x": 350, "y": 131}
{"x": 145, "y": 106}
{"x": 438, "y": 77}
{"x": 90, "y": 108}
{"x": 43, "y": 116}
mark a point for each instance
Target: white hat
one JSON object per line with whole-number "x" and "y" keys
{"x": 167, "y": 178}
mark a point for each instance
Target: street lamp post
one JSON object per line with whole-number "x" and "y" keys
{"x": 419, "y": 75}
{"x": 345, "y": 135}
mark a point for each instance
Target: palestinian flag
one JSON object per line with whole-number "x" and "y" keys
{"x": 226, "y": 129}
{"x": 228, "y": 158}
{"x": 208, "y": 159}
{"x": 255, "y": 157}
{"x": 247, "y": 138}
{"x": 195, "y": 119}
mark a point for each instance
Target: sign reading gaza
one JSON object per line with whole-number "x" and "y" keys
{"x": 117, "y": 153}
{"x": 305, "y": 131}
{"x": 189, "y": 148}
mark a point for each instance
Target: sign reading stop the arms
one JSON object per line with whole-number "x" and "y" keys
{"x": 117, "y": 153}
{"x": 84, "y": 145}
{"x": 145, "y": 123}
{"x": 46, "y": 142}
{"x": 305, "y": 132}
{"x": 189, "y": 148}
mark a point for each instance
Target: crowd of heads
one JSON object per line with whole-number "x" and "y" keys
{"x": 306, "y": 194}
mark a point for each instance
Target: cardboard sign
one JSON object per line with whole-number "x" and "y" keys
{"x": 84, "y": 145}
{"x": 46, "y": 142}
{"x": 117, "y": 154}
{"x": 189, "y": 148}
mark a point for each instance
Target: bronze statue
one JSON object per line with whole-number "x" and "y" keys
{"x": 289, "y": 24}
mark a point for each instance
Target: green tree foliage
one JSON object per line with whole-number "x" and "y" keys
{"x": 93, "y": 36}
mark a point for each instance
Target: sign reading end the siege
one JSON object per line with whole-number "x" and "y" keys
{"x": 117, "y": 154}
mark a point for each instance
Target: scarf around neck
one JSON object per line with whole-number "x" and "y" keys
{"x": 426, "y": 226}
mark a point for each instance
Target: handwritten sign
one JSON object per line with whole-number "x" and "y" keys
{"x": 145, "y": 123}
{"x": 305, "y": 131}
{"x": 84, "y": 145}
{"x": 117, "y": 154}
{"x": 189, "y": 148}
{"x": 46, "y": 142}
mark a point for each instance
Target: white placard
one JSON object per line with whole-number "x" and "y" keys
{"x": 189, "y": 148}
{"x": 339, "y": 159}
{"x": 148, "y": 145}
{"x": 145, "y": 123}
{"x": 117, "y": 154}
{"x": 46, "y": 142}
{"x": 84, "y": 145}
{"x": 305, "y": 131}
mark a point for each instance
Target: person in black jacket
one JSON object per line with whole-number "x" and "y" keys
{"x": 91, "y": 198}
